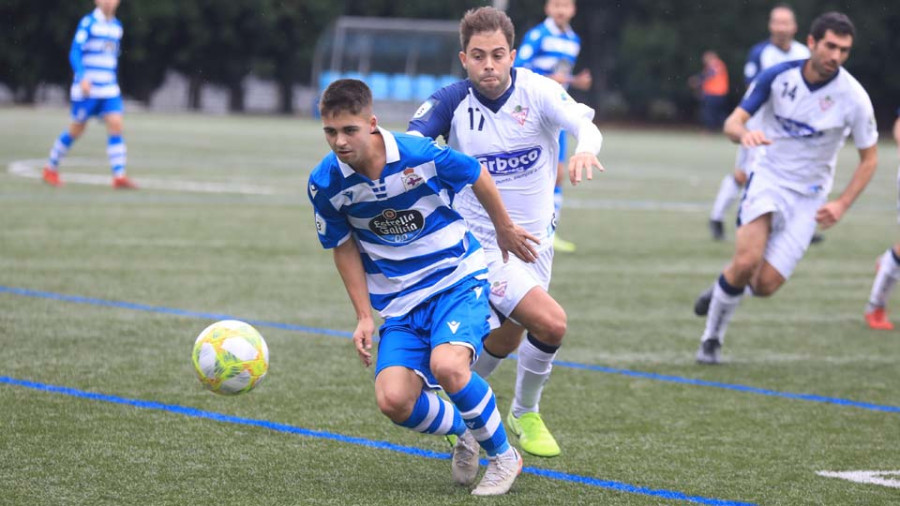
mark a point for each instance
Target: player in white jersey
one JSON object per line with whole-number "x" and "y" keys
{"x": 95, "y": 91}
{"x": 510, "y": 118}
{"x": 888, "y": 268}
{"x": 778, "y": 48}
{"x": 807, "y": 108}
{"x": 382, "y": 203}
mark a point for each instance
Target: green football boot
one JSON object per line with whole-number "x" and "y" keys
{"x": 534, "y": 437}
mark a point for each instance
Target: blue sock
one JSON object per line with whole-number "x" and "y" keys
{"x": 557, "y": 200}
{"x": 433, "y": 415}
{"x": 115, "y": 150}
{"x": 59, "y": 149}
{"x": 478, "y": 406}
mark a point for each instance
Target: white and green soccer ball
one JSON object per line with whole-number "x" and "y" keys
{"x": 230, "y": 357}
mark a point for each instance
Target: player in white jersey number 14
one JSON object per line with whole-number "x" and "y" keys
{"x": 510, "y": 120}
{"x": 807, "y": 108}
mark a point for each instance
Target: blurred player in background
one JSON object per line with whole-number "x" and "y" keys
{"x": 382, "y": 203}
{"x": 95, "y": 90}
{"x": 550, "y": 49}
{"x": 510, "y": 119}
{"x": 888, "y": 269}
{"x": 807, "y": 108}
{"x": 780, "y": 47}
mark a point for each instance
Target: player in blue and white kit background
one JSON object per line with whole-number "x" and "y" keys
{"x": 779, "y": 47}
{"x": 888, "y": 270}
{"x": 551, "y": 49}
{"x": 510, "y": 119}
{"x": 806, "y": 108}
{"x": 94, "y": 57}
{"x": 382, "y": 203}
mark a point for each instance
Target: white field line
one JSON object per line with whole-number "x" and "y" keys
{"x": 32, "y": 169}
{"x": 883, "y": 478}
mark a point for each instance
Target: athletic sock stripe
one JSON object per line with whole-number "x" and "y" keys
{"x": 437, "y": 419}
{"x": 446, "y": 420}
{"x": 433, "y": 409}
{"x": 490, "y": 428}
{"x": 479, "y": 408}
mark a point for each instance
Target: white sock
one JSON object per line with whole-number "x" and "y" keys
{"x": 486, "y": 363}
{"x": 728, "y": 192}
{"x": 721, "y": 309}
{"x": 885, "y": 280}
{"x": 532, "y": 372}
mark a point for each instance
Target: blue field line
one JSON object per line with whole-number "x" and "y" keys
{"x": 557, "y": 363}
{"x": 340, "y": 438}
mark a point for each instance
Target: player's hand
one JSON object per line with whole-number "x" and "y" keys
{"x": 830, "y": 213}
{"x": 85, "y": 85}
{"x": 582, "y": 80}
{"x": 516, "y": 240}
{"x": 754, "y": 138}
{"x": 581, "y": 162}
{"x": 362, "y": 339}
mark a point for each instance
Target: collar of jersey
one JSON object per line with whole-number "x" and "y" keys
{"x": 813, "y": 87}
{"x": 554, "y": 30}
{"x": 391, "y": 153}
{"x": 497, "y": 103}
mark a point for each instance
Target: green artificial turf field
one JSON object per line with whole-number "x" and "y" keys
{"x": 102, "y": 293}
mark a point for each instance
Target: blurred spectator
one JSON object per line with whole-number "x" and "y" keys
{"x": 713, "y": 86}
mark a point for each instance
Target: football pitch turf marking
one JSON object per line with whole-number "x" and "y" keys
{"x": 560, "y": 363}
{"x": 868, "y": 477}
{"x": 32, "y": 169}
{"x": 340, "y": 438}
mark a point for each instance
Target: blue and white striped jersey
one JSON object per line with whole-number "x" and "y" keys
{"x": 548, "y": 50}
{"x": 413, "y": 244}
{"x": 808, "y": 123}
{"x": 765, "y": 54}
{"x": 95, "y": 55}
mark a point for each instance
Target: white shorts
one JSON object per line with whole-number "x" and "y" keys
{"x": 793, "y": 220}
{"x": 512, "y": 280}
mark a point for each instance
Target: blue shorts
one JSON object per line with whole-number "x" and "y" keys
{"x": 83, "y": 110}
{"x": 458, "y": 315}
{"x": 562, "y": 146}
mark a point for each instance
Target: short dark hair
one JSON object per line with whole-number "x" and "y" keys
{"x": 835, "y": 21}
{"x": 485, "y": 19}
{"x": 345, "y": 95}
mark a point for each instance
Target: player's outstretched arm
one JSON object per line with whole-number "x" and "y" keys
{"x": 349, "y": 265}
{"x": 510, "y": 237}
{"x": 736, "y": 130}
{"x": 831, "y": 212}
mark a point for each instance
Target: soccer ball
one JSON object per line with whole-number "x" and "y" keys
{"x": 230, "y": 357}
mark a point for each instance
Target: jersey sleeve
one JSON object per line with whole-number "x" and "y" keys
{"x": 754, "y": 64}
{"x": 863, "y": 125}
{"x": 332, "y": 227}
{"x": 81, "y": 36}
{"x": 435, "y": 115}
{"x": 455, "y": 170}
{"x": 531, "y": 43}
{"x": 560, "y": 109}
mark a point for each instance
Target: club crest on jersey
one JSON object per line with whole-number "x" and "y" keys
{"x": 520, "y": 114}
{"x": 512, "y": 162}
{"x": 411, "y": 179}
{"x": 826, "y": 103}
{"x": 398, "y": 227}
{"x": 498, "y": 289}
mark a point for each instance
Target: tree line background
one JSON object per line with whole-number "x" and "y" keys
{"x": 641, "y": 52}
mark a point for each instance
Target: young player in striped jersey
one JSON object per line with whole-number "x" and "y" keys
{"x": 510, "y": 119}
{"x": 807, "y": 109}
{"x": 888, "y": 270}
{"x": 551, "y": 49}
{"x": 778, "y": 48}
{"x": 95, "y": 90}
{"x": 382, "y": 203}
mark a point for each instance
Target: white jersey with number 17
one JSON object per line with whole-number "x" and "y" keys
{"x": 515, "y": 136}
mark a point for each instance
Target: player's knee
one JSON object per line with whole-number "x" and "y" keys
{"x": 395, "y": 403}
{"x": 740, "y": 177}
{"x": 553, "y": 330}
{"x": 451, "y": 375}
{"x": 76, "y": 129}
{"x": 766, "y": 287}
